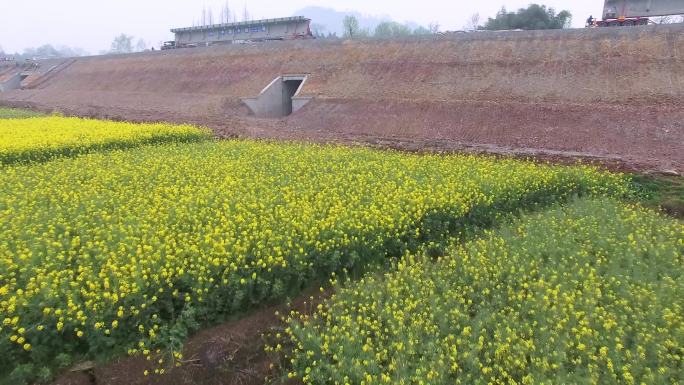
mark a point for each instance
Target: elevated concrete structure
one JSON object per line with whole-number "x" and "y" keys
{"x": 614, "y": 9}
{"x": 287, "y": 28}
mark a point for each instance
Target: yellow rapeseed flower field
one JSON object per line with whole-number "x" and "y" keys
{"x": 133, "y": 249}
{"x": 42, "y": 138}
{"x": 591, "y": 293}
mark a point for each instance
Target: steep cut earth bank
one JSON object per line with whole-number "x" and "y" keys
{"x": 613, "y": 94}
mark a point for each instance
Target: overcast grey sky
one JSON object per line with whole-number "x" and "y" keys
{"x": 91, "y": 25}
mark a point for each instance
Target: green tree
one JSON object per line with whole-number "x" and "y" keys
{"x": 533, "y": 17}
{"x": 473, "y": 23}
{"x": 44, "y": 51}
{"x": 47, "y": 51}
{"x": 318, "y": 30}
{"x": 141, "y": 45}
{"x": 390, "y": 29}
{"x": 421, "y": 31}
{"x": 351, "y": 27}
{"x": 122, "y": 44}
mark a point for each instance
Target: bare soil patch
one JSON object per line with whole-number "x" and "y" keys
{"x": 231, "y": 353}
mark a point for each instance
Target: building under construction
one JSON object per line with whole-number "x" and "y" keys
{"x": 287, "y": 28}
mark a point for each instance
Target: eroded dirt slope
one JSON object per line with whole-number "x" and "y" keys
{"x": 611, "y": 94}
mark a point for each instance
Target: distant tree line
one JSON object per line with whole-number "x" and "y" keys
{"x": 533, "y": 17}
{"x": 123, "y": 43}
{"x": 46, "y": 51}
{"x": 384, "y": 30}
{"x": 225, "y": 14}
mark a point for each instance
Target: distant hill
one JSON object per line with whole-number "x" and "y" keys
{"x": 328, "y": 20}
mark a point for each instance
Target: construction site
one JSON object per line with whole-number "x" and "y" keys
{"x": 612, "y": 95}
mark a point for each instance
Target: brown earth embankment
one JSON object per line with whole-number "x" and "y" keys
{"x": 614, "y": 94}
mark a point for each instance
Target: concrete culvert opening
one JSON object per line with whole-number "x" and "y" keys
{"x": 280, "y": 98}
{"x": 290, "y": 88}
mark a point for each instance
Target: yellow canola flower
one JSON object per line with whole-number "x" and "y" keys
{"x": 592, "y": 284}
{"x": 42, "y": 138}
{"x": 156, "y": 235}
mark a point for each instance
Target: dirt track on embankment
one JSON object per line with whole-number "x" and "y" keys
{"x": 613, "y": 95}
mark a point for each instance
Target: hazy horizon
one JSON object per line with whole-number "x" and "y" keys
{"x": 92, "y": 26}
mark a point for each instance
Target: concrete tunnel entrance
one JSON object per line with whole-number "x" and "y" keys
{"x": 290, "y": 88}
{"x": 280, "y": 98}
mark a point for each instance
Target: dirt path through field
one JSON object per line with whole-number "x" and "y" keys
{"x": 231, "y": 353}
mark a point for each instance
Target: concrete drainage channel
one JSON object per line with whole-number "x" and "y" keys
{"x": 280, "y": 98}
{"x": 12, "y": 81}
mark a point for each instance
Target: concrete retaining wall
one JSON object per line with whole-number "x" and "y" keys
{"x": 269, "y": 103}
{"x": 279, "y": 99}
{"x": 298, "y": 102}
